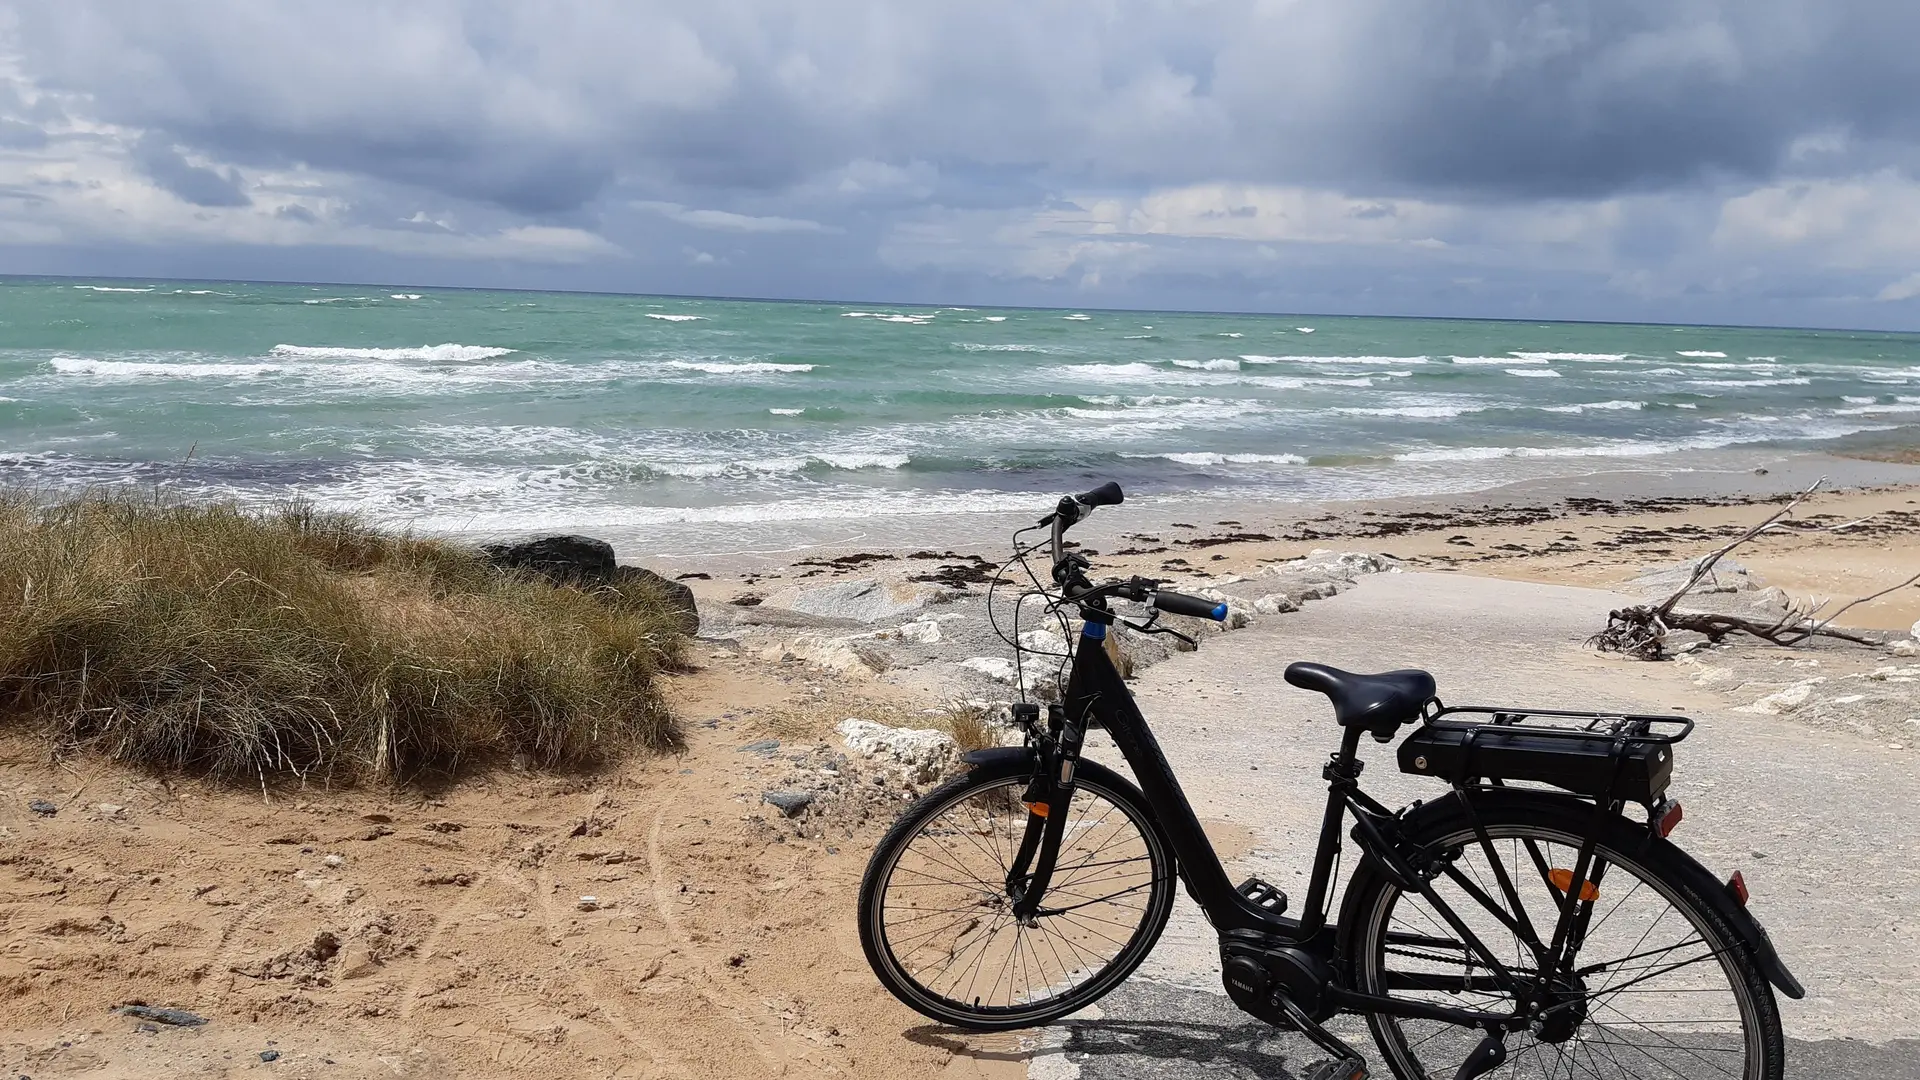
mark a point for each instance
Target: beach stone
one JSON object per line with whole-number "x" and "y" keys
{"x": 865, "y": 600}
{"x": 676, "y": 595}
{"x": 1783, "y": 701}
{"x": 923, "y": 752}
{"x": 1275, "y": 604}
{"x": 993, "y": 667}
{"x": 563, "y": 560}
{"x": 918, "y": 632}
{"x": 790, "y": 803}
{"x": 1043, "y": 641}
{"x": 357, "y": 962}
{"x": 842, "y": 655}
{"x": 43, "y": 808}
{"x": 1916, "y": 631}
{"x": 1905, "y": 648}
{"x": 760, "y": 746}
{"x": 269, "y": 1055}
{"x": 172, "y": 1017}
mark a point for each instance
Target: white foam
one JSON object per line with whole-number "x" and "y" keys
{"x": 972, "y": 347}
{"x": 1256, "y": 358}
{"x": 1229, "y": 335}
{"x": 1209, "y": 365}
{"x": 1581, "y": 357}
{"x": 1595, "y": 406}
{"x": 404, "y": 296}
{"x": 1077, "y": 317}
{"x": 128, "y": 369}
{"x": 1495, "y": 361}
{"x": 675, "y": 318}
{"x": 786, "y": 412}
{"x": 1867, "y": 410}
{"x": 446, "y": 353}
{"x": 1702, "y": 354}
{"x": 1859, "y": 400}
{"x": 753, "y": 367}
{"x": 1420, "y": 412}
{"x": 1225, "y": 459}
{"x": 112, "y": 288}
{"x": 1304, "y": 329}
{"x": 993, "y": 318}
{"x": 1533, "y": 373}
{"x": 1752, "y": 382}
{"x": 1140, "y": 337}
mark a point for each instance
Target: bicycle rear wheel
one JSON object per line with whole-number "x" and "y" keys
{"x": 1660, "y": 988}
{"x": 936, "y": 920}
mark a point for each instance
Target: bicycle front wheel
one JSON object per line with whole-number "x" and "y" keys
{"x": 1659, "y": 988}
{"x": 937, "y": 923}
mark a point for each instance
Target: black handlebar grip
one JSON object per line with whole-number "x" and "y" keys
{"x": 1107, "y": 494}
{"x": 1174, "y": 603}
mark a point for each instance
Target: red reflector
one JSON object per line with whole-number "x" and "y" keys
{"x": 1671, "y": 819}
{"x": 1737, "y": 885}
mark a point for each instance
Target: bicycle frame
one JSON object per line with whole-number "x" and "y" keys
{"x": 1097, "y": 696}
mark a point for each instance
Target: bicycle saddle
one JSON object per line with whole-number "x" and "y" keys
{"x": 1380, "y": 703}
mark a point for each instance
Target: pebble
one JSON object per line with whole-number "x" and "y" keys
{"x": 176, "y": 1017}
{"x": 335, "y": 860}
{"x": 761, "y": 746}
{"x": 589, "y": 903}
{"x": 43, "y": 808}
{"x": 269, "y": 1055}
{"x": 789, "y": 803}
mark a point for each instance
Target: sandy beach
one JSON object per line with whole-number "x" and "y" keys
{"x": 660, "y": 918}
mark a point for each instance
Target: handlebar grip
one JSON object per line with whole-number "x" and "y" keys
{"x": 1107, "y": 494}
{"x": 1174, "y": 603}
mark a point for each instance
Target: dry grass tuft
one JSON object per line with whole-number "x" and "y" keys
{"x": 971, "y": 726}
{"x": 207, "y": 638}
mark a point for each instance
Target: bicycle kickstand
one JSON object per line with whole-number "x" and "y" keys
{"x": 1346, "y": 1063}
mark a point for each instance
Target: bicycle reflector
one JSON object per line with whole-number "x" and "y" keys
{"x": 1737, "y": 886}
{"x": 1670, "y": 818}
{"x": 1563, "y": 880}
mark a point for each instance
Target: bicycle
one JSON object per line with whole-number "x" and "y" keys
{"x": 1037, "y": 881}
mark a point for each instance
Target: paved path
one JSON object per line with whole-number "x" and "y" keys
{"x": 1824, "y": 825}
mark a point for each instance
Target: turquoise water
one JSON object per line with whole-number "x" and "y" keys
{"x": 470, "y": 410}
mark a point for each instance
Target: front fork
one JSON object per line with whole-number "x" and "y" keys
{"x": 1048, "y": 797}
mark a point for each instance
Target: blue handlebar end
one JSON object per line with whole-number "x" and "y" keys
{"x": 1219, "y": 613}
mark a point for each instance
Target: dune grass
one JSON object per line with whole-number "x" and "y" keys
{"x": 295, "y": 644}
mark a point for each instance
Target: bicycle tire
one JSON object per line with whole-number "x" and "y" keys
{"x": 1095, "y": 783}
{"x": 1611, "y": 1046}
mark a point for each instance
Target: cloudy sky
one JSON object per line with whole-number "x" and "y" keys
{"x": 1753, "y": 161}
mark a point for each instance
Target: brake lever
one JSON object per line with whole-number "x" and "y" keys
{"x": 1151, "y": 626}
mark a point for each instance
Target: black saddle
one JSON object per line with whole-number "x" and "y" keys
{"x": 1380, "y": 703}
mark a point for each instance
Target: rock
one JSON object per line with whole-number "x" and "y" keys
{"x": 761, "y": 746}
{"x": 1275, "y": 604}
{"x": 844, "y": 655}
{"x": 269, "y": 1055}
{"x": 1043, "y": 641}
{"x": 1916, "y": 631}
{"x": 674, "y": 595}
{"x": 173, "y": 1017}
{"x": 43, "y": 808}
{"x": 1905, "y": 648}
{"x": 588, "y": 903}
{"x": 357, "y": 962}
{"x": 923, "y": 751}
{"x": 1783, "y": 701}
{"x": 864, "y": 600}
{"x": 789, "y": 803}
{"x": 563, "y": 560}
{"x": 993, "y": 667}
{"x": 587, "y": 563}
{"x": 1727, "y": 576}
{"x": 335, "y": 860}
{"x": 107, "y": 809}
{"x": 918, "y": 632}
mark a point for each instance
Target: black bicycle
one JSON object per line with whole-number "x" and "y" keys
{"x": 1521, "y": 921}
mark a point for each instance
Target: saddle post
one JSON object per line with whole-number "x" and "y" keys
{"x": 1343, "y": 775}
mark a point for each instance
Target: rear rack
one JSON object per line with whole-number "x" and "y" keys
{"x": 1577, "y": 724}
{"x": 1603, "y": 755}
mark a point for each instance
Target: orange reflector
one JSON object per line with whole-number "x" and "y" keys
{"x": 1737, "y": 885}
{"x": 1670, "y": 819}
{"x": 1038, "y": 809}
{"x": 1563, "y": 880}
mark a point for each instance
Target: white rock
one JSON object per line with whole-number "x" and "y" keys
{"x": 1783, "y": 701}
{"x": 335, "y": 860}
{"x": 865, "y": 600}
{"x": 1043, "y": 641}
{"x": 1916, "y": 631}
{"x": 589, "y": 903}
{"x": 920, "y": 632}
{"x": 834, "y": 654}
{"x": 993, "y": 667}
{"x": 1275, "y": 604}
{"x": 922, "y": 750}
{"x": 1905, "y": 648}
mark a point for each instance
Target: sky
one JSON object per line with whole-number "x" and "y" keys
{"x": 1752, "y": 161}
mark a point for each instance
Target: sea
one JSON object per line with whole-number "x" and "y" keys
{"x": 470, "y": 411}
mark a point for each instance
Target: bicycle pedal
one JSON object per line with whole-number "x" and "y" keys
{"x": 1338, "y": 1069}
{"x": 1263, "y": 895}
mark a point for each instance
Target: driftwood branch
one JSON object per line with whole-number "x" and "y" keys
{"x": 1641, "y": 631}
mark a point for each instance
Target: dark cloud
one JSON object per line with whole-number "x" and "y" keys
{"x": 201, "y": 186}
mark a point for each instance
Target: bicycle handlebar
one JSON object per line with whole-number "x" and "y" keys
{"x": 1199, "y": 607}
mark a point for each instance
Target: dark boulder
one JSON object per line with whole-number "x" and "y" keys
{"x": 586, "y": 563}
{"x": 563, "y": 560}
